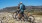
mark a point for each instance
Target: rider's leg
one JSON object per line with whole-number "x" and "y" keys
{"x": 19, "y": 15}
{"x": 22, "y": 15}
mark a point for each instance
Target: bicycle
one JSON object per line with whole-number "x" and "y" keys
{"x": 26, "y": 17}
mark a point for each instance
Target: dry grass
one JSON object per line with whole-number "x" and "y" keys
{"x": 37, "y": 13}
{"x": 7, "y": 18}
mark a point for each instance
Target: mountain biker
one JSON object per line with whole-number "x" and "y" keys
{"x": 21, "y": 8}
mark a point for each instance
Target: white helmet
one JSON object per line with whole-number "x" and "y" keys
{"x": 20, "y": 2}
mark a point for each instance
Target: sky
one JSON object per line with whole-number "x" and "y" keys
{"x": 10, "y": 3}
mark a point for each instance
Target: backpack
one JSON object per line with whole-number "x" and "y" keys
{"x": 24, "y": 7}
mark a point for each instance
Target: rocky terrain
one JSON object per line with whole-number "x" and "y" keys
{"x": 6, "y": 17}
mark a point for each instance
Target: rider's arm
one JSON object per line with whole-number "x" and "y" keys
{"x": 18, "y": 6}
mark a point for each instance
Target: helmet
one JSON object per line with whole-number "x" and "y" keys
{"x": 20, "y": 2}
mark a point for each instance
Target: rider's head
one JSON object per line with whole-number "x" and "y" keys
{"x": 20, "y": 2}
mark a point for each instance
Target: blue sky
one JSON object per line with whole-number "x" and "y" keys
{"x": 9, "y": 3}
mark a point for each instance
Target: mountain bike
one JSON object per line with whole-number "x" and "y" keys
{"x": 26, "y": 17}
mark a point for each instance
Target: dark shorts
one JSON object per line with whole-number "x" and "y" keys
{"x": 20, "y": 12}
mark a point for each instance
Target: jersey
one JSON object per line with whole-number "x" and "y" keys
{"x": 21, "y": 8}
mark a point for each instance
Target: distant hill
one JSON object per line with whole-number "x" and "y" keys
{"x": 8, "y": 9}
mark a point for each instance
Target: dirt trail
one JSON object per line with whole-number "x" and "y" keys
{"x": 7, "y": 18}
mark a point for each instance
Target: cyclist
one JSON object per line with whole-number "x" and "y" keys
{"x": 21, "y": 8}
